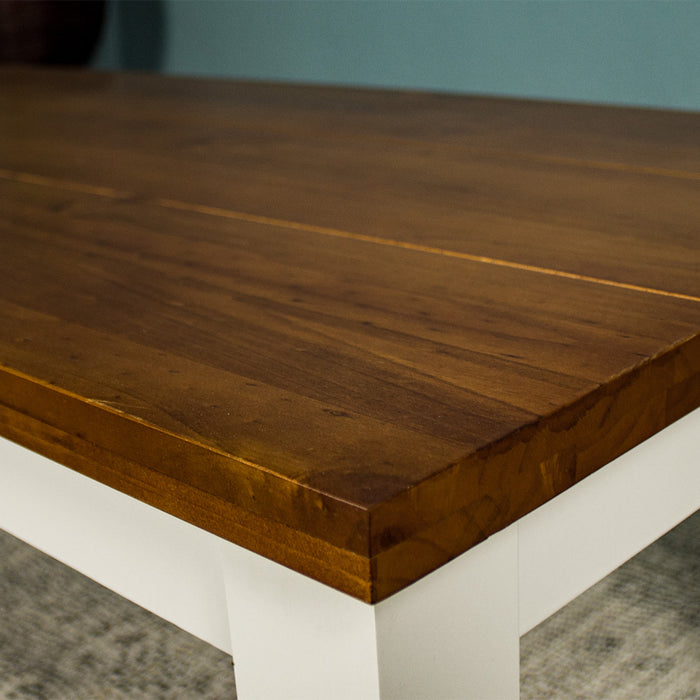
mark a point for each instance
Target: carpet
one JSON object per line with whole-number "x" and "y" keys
{"x": 635, "y": 635}
{"x": 65, "y": 637}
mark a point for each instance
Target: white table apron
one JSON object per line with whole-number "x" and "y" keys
{"x": 452, "y": 635}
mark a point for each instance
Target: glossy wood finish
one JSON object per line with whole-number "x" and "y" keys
{"x": 354, "y": 331}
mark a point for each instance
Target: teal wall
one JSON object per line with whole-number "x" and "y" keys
{"x": 625, "y": 52}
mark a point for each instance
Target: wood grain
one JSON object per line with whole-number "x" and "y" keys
{"x": 299, "y": 317}
{"x": 507, "y": 179}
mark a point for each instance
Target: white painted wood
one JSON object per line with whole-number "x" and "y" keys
{"x": 579, "y": 537}
{"x": 294, "y": 638}
{"x": 454, "y": 633}
{"x": 155, "y": 560}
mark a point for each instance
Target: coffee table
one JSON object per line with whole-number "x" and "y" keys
{"x": 357, "y": 385}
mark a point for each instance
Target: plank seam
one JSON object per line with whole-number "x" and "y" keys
{"x": 225, "y": 213}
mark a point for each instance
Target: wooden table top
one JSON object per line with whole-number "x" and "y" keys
{"x": 354, "y": 331}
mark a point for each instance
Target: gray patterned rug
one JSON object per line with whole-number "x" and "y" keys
{"x": 633, "y": 636}
{"x": 64, "y": 637}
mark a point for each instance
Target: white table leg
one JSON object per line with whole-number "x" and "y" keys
{"x": 293, "y": 638}
{"x": 451, "y": 635}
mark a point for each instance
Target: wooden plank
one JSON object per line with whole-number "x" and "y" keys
{"x": 606, "y": 193}
{"x": 358, "y": 412}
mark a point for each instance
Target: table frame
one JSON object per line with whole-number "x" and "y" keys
{"x": 453, "y": 634}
